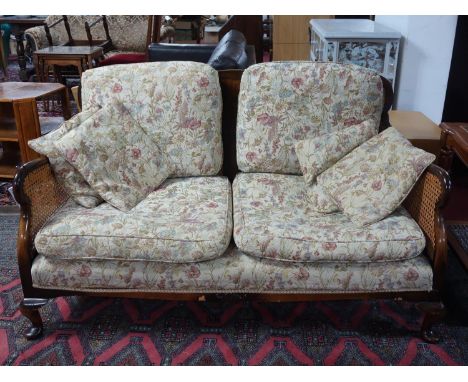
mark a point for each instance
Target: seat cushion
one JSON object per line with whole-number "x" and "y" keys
{"x": 234, "y": 272}
{"x": 185, "y": 220}
{"x": 274, "y": 218}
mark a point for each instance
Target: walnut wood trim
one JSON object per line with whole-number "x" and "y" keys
{"x": 429, "y": 296}
{"x": 441, "y": 247}
{"x": 156, "y": 29}
{"x": 49, "y": 197}
{"x": 149, "y": 33}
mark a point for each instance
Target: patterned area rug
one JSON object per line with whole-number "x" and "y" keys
{"x": 6, "y": 198}
{"x": 97, "y": 331}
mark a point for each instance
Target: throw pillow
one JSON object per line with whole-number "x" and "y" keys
{"x": 115, "y": 156}
{"x": 71, "y": 180}
{"x": 373, "y": 180}
{"x": 317, "y": 154}
{"x": 320, "y": 201}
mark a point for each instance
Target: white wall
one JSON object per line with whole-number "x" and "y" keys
{"x": 424, "y": 61}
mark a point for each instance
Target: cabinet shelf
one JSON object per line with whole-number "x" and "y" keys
{"x": 20, "y": 121}
{"x": 8, "y": 161}
{"x": 8, "y": 132}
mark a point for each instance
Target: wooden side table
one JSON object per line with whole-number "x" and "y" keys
{"x": 20, "y": 122}
{"x": 420, "y": 130}
{"x": 454, "y": 141}
{"x": 81, "y": 57}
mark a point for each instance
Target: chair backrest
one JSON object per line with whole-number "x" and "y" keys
{"x": 106, "y": 44}
{"x": 129, "y": 33}
{"x": 56, "y": 24}
{"x": 178, "y": 104}
{"x": 283, "y": 102}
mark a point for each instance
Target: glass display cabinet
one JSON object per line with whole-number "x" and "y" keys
{"x": 356, "y": 41}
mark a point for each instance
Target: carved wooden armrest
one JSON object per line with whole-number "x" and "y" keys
{"x": 39, "y": 195}
{"x": 424, "y": 203}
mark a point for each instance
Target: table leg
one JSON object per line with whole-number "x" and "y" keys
{"x": 38, "y": 69}
{"x": 19, "y": 35}
{"x": 90, "y": 62}
{"x": 65, "y": 104}
{"x": 80, "y": 67}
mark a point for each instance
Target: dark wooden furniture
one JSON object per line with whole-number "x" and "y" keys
{"x": 3, "y": 59}
{"x": 82, "y": 57}
{"x": 420, "y": 130}
{"x": 423, "y": 203}
{"x": 18, "y": 25}
{"x": 454, "y": 141}
{"x": 63, "y": 20}
{"x": 457, "y": 236}
{"x": 106, "y": 44}
{"x": 20, "y": 122}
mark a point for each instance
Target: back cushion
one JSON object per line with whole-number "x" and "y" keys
{"x": 177, "y": 103}
{"x": 281, "y": 103}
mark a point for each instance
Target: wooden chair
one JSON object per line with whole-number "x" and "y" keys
{"x": 63, "y": 20}
{"x": 106, "y": 44}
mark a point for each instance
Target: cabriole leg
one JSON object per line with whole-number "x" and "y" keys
{"x": 30, "y": 309}
{"x": 434, "y": 312}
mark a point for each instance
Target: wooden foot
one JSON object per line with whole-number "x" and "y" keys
{"x": 434, "y": 312}
{"x": 30, "y": 309}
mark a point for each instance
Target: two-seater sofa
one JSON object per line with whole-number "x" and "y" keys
{"x": 243, "y": 229}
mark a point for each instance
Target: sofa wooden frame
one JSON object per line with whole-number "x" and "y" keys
{"x": 40, "y": 196}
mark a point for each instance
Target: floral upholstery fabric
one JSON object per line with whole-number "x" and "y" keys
{"x": 281, "y": 103}
{"x": 128, "y": 33}
{"x": 373, "y": 180}
{"x": 320, "y": 201}
{"x": 316, "y": 155}
{"x": 273, "y": 218}
{"x": 233, "y": 272}
{"x": 71, "y": 179}
{"x": 178, "y": 104}
{"x": 184, "y": 220}
{"x": 116, "y": 157}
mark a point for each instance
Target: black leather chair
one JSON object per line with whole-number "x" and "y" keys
{"x": 232, "y": 52}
